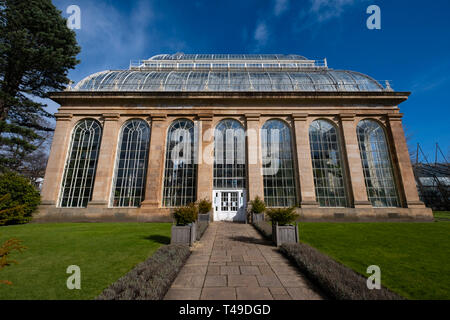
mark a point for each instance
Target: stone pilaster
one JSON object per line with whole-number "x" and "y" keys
{"x": 205, "y": 157}
{"x": 408, "y": 182}
{"x": 255, "y": 178}
{"x": 356, "y": 178}
{"x": 56, "y": 160}
{"x": 106, "y": 159}
{"x": 305, "y": 170}
{"x": 155, "y": 168}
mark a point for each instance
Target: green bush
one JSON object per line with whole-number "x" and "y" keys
{"x": 258, "y": 206}
{"x": 18, "y": 199}
{"x": 283, "y": 216}
{"x": 185, "y": 215}
{"x": 204, "y": 206}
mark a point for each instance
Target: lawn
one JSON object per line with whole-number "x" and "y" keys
{"x": 103, "y": 251}
{"x": 414, "y": 257}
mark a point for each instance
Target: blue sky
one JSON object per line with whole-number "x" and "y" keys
{"x": 411, "y": 49}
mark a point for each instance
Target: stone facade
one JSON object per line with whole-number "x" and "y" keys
{"x": 252, "y": 110}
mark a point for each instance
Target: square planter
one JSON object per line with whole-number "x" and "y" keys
{"x": 284, "y": 234}
{"x": 184, "y": 234}
{"x": 204, "y": 217}
{"x": 258, "y": 217}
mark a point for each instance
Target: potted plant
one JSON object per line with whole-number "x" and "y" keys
{"x": 184, "y": 232}
{"x": 257, "y": 208}
{"x": 204, "y": 210}
{"x": 283, "y": 228}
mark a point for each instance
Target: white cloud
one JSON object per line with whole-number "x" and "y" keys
{"x": 327, "y": 9}
{"x": 261, "y": 34}
{"x": 280, "y": 7}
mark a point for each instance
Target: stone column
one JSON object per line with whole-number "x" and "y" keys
{"x": 305, "y": 170}
{"x": 56, "y": 160}
{"x": 407, "y": 180}
{"x": 205, "y": 157}
{"x": 255, "y": 179}
{"x": 356, "y": 177}
{"x": 106, "y": 159}
{"x": 155, "y": 168}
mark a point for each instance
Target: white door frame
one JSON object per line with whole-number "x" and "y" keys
{"x": 238, "y": 213}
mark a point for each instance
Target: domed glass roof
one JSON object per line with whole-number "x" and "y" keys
{"x": 228, "y": 73}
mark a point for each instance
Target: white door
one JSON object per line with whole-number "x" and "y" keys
{"x": 229, "y": 205}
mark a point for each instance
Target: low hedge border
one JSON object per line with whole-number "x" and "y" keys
{"x": 336, "y": 280}
{"x": 151, "y": 279}
{"x": 264, "y": 228}
{"x": 201, "y": 228}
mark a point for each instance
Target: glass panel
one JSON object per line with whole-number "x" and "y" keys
{"x": 131, "y": 164}
{"x": 377, "y": 166}
{"x": 180, "y": 172}
{"x": 81, "y": 164}
{"x": 229, "y": 155}
{"x": 327, "y": 164}
{"x": 278, "y": 171}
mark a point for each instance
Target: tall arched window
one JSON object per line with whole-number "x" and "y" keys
{"x": 180, "y": 173}
{"x": 229, "y": 155}
{"x": 131, "y": 164}
{"x": 327, "y": 164}
{"x": 278, "y": 167}
{"x": 81, "y": 163}
{"x": 377, "y": 166}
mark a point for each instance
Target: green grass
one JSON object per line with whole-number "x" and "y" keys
{"x": 414, "y": 257}
{"x": 103, "y": 251}
{"x": 442, "y": 215}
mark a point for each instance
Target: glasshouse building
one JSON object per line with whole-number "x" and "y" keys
{"x": 131, "y": 145}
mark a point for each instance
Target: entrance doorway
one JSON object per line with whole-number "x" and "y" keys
{"x": 229, "y": 205}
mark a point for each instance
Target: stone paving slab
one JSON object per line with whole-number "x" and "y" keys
{"x": 232, "y": 261}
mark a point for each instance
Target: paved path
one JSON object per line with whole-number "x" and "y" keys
{"x": 233, "y": 261}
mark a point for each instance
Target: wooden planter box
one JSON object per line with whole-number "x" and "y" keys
{"x": 204, "y": 217}
{"x": 184, "y": 234}
{"x": 284, "y": 234}
{"x": 258, "y": 217}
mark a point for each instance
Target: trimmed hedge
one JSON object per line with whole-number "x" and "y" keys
{"x": 151, "y": 279}
{"x": 201, "y": 228}
{"x": 264, "y": 228}
{"x": 336, "y": 280}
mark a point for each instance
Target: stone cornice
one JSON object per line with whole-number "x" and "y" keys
{"x": 395, "y": 116}
{"x": 63, "y": 116}
{"x": 158, "y": 117}
{"x": 252, "y": 116}
{"x": 347, "y": 116}
{"x": 111, "y": 116}
{"x": 300, "y": 116}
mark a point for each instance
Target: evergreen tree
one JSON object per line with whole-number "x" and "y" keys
{"x": 36, "y": 52}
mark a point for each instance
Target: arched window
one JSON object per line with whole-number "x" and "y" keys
{"x": 180, "y": 173}
{"x": 278, "y": 167}
{"x": 327, "y": 164}
{"x": 229, "y": 155}
{"x": 81, "y": 163}
{"x": 131, "y": 164}
{"x": 377, "y": 166}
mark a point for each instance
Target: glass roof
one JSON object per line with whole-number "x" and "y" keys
{"x": 182, "y": 56}
{"x": 167, "y": 73}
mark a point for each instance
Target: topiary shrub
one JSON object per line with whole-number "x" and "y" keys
{"x": 18, "y": 199}
{"x": 204, "y": 206}
{"x": 258, "y": 206}
{"x": 283, "y": 216}
{"x": 185, "y": 215}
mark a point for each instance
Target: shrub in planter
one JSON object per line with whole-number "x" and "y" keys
{"x": 258, "y": 206}
{"x": 282, "y": 229}
{"x": 18, "y": 199}
{"x": 185, "y": 215}
{"x": 185, "y": 230}
{"x": 204, "y": 206}
{"x": 282, "y": 216}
